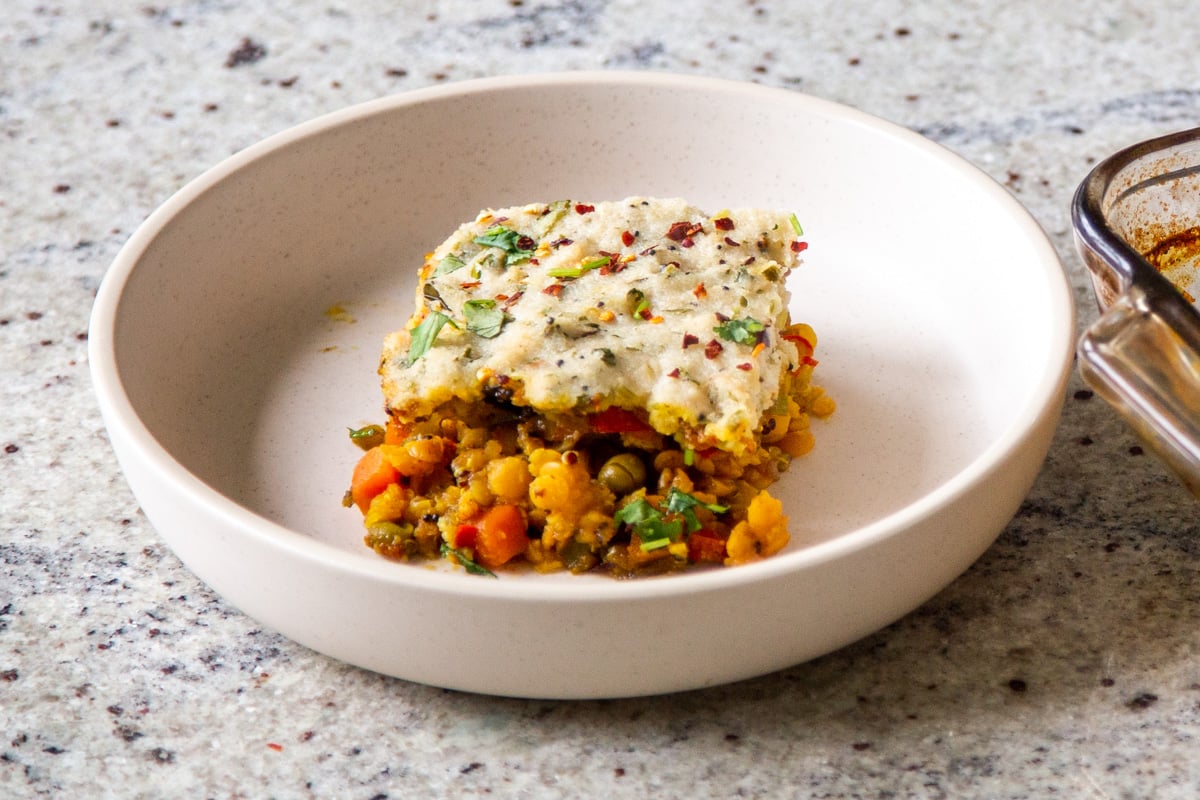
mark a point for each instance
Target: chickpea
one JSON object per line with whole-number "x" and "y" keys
{"x": 623, "y": 473}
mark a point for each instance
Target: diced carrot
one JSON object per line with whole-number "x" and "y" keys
{"x": 501, "y": 535}
{"x": 372, "y": 474}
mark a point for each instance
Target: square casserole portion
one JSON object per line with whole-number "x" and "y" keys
{"x": 587, "y": 384}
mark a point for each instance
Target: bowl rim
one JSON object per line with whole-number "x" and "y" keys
{"x": 123, "y": 421}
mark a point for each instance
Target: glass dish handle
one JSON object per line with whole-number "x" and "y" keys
{"x": 1134, "y": 359}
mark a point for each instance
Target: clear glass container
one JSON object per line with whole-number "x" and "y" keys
{"x": 1137, "y": 226}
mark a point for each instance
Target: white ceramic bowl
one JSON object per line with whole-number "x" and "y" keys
{"x": 946, "y": 331}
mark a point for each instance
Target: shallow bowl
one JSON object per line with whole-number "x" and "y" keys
{"x": 236, "y": 337}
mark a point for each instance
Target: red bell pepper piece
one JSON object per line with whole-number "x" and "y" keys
{"x": 618, "y": 420}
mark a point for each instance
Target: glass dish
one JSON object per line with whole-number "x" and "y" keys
{"x": 1137, "y": 226}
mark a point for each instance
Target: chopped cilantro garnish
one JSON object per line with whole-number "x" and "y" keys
{"x": 449, "y": 264}
{"x": 516, "y": 246}
{"x": 685, "y": 505}
{"x": 484, "y": 317}
{"x": 424, "y": 334}
{"x": 460, "y": 556}
{"x": 658, "y": 529}
{"x": 649, "y": 524}
{"x": 742, "y": 331}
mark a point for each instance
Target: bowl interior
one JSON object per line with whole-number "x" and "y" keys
{"x": 249, "y": 325}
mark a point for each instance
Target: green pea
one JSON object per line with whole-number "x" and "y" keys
{"x": 623, "y": 473}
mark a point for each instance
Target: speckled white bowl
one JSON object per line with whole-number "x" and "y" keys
{"x": 946, "y": 332}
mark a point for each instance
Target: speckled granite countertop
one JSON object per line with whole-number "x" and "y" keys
{"x": 1066, "y": 662}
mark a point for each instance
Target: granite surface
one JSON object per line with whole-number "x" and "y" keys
{"x": 1065, "y": 663}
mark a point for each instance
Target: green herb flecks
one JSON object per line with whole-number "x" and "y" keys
{"x": 466, "y": 563}
{"x": 741, "y": 331}
{"x": 554, "y": 212}
{"x": 580, "y": 269}
{"x": 423, "y": 336}
{"x": 685, "y": 505}
{"x": 516, "y": 246}
{"x": 448, "y": 264}
{"x": 796, "y": 225}
{"x": 484, "y": 318}
{"x": 650, "y": 524}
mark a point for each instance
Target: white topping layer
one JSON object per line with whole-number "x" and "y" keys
{"x": 642, "y": 303}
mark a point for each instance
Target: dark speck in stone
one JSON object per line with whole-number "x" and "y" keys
{"x": 1142, "y": 700}
{"x": 1084, "y": 394}
{"x": 1136, "y": 450}
{"x": 1084, "y": 441}
{"x": 161, "y": 755}
{"x": 9, "y": 675}
{"x": 901, "y": 32}
{"x": 860, "y": 746}
{"x": 210, "y": 107}
{"x": 62, "y": 188}
{"x": 33, "y": 316}
{"x": 1017, "y": 685}
{"x": 288, "y": 83}
{"x": 11, "y": 448}
{"x": 248, "y": 52}
{"x": 396, "y": 72}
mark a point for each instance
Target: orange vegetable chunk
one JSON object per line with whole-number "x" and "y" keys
{"x": 501, "y": 536}
{"x": 372, "y": 474}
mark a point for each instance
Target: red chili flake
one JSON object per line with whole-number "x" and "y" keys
{"x": 526, "y": 243}
{"x": 700, "y": 292}
{"x": 688, "y": 242}
{"x": 563, "y": 242}
{"x": 713, "y": 349}
{"x": 745, "y": 367}
{"x": 673, "y": 373}
{"x": 645, "y": 313}
{"x": 510, "y": 301}
{"x": 799, "y": 247}
{"x": 809, "y": 360}
{"x": 679, "y": 231}
{"x": 614, "y": 263}
{"x": 627, "y": 238}
{"x": 748, "y": 261}
{"x": 720, "y": 317}
{"x": 554, "y": 290}
{"x": 571, "y": 457}
{"x": 535, "y": 262}
{"x": 689, "y": 340}
{"x": 732, "y": 243}
{"x": 580, "y": 208}
{"x": 468, "y": 285}
{"x": 723, "y": 224}
{"x": 648, "y": 250}
{"x": 278, "y": 748}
